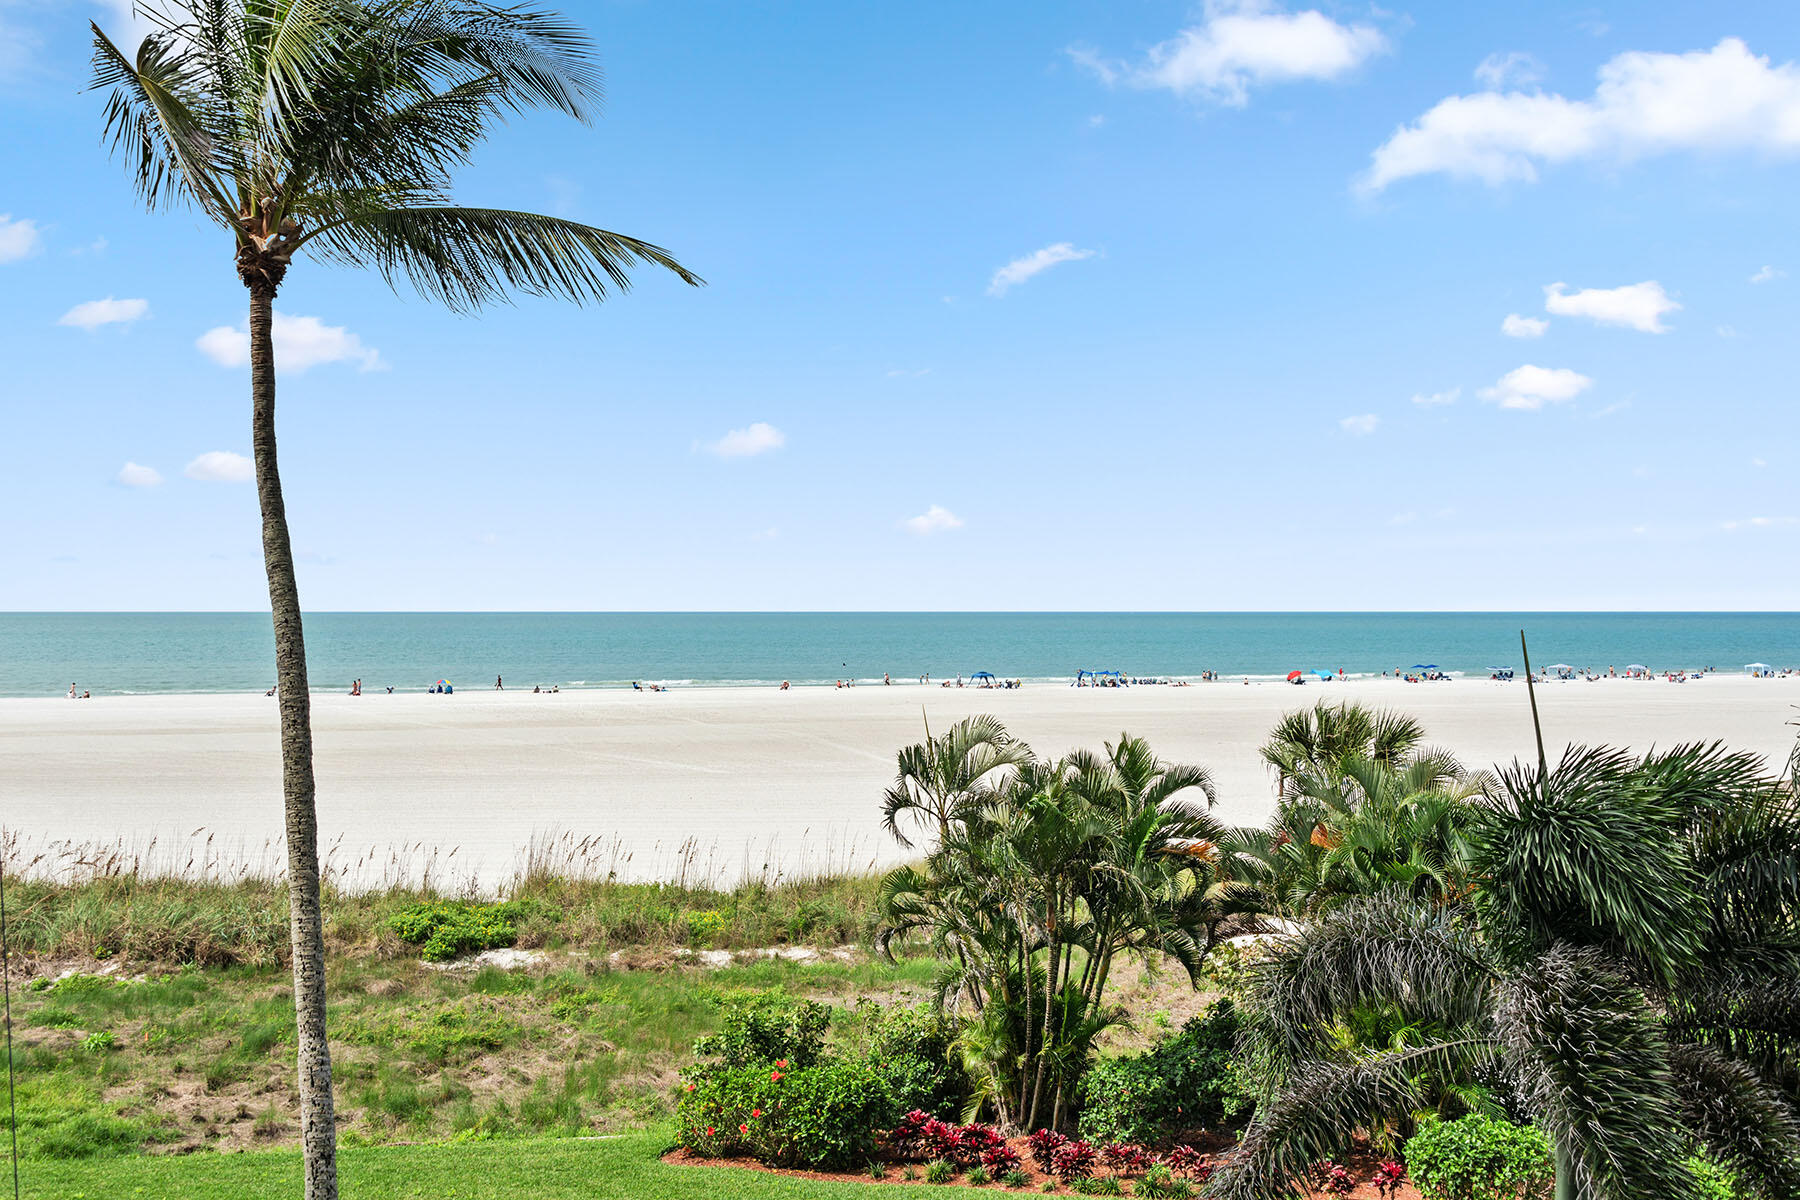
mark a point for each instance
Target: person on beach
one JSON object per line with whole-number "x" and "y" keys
{"x": 498, "y": 685}
{"x": 71, "y": 691}
{"x": 784, "y": 685}
{"x": 886, "y": 679}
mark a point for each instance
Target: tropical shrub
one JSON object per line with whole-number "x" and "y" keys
{"x": 1388, "y": 1178}
{"x": 1128, "y": 1158}
{"x": 973, "y": 1141}
{"x": 1336, "y": 1179}
{"x": 1478, "y": 1158}
{"x": 912, "y": 1049}
{"x": 761, "y": 1028}
{"x": 1043, "y": 1145}
{"x": 939, "y": 1170}
{"x": 824, "y": 1115}
{"x": 1188, "y": 1162}
{"x": 1184, "y": 1082}
{"x": 1001, "y": 1161}
{"x": 445, "y": 929}
{"x": 1073, "y": 1160}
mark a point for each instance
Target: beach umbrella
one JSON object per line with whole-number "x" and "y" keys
{"x": 1756, "y": 667}
{"x": 1559, "y": 667}
{"x": 1637, "y": 667}
{"x": 1324, "y": 674}
{"x": 1293, "y": 677}
{"x": 443, "y": 683}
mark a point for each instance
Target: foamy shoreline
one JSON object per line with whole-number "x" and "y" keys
{"x": 745, "y": 778}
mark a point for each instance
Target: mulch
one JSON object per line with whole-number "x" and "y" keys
{"x": 1361, "y": 1165}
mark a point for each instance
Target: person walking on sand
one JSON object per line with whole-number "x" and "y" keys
{"x": 499, "y": 686}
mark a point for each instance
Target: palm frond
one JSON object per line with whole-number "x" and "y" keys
{"x": 470, "y": 257}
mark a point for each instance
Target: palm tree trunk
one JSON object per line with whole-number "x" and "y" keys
{"x": 306, "y": 923}
{"x": 1565, "y": 1173}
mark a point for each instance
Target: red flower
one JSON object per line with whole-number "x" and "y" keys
{"x": 755, "y": 1112}
{"x": 690, "y": 1087}
{"x": 774, "y": 1076}
{"x": 743, "y": 1129}
{"x": 781, "y": 1062}
{"x": 710, "y": 1131}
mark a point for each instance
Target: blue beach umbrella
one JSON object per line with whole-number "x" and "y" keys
{"x": 1324, "y": 674}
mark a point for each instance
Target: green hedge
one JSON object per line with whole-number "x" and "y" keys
{"x": 1186, "y": 1081}
{"x": 1478, "y": 1158}
{"x": 827, "y": 1115}
{"x": 445, "y": 929}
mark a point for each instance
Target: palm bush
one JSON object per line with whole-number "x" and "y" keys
{"x": 1625, "y": 972}
{"x": 1043, "y": 875}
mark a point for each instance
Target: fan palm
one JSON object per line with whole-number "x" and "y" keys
{"x": 1629, "y": 963}
{"x": 332, "y": 128}
{"x": 1319, "y": 738}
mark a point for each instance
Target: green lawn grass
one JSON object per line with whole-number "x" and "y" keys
{"x": 627, "y": 1168}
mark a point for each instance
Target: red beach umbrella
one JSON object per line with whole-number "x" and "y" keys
{"x": 1293, "y": 675}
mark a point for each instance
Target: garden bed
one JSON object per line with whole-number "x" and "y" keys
{"x": 1362, "y": 1167}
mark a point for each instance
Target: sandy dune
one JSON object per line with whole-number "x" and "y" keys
{"x": 753, "y": 777}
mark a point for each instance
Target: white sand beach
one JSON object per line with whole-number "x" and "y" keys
{"x": 757, "y": 776}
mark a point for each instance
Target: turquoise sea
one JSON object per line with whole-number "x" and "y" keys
{"x": 125, "y": 653}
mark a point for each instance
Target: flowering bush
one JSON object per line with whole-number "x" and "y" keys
{"x": 1000, "y": 1160}
{"x": 1186, "y": 1161}
{"x": 1336, "y": 1180}
{"x": 819, "y": 1116}
{"x": 1388, "y": 1178}
{"x": 1127, "y": 1158}
{"x": 1044, "y": 1144}
{"x": 1073, "y": 1160}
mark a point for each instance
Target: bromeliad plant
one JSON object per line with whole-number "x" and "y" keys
{"x": 1626, "y": 973}
{"x": 1044, "y": 875}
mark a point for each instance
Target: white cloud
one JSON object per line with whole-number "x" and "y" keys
{"x": 1403, "y": 518}
{"x": 759, "y": 438}
{"x": 1530, "y": 387}
{"x": 1759, "y": 462}
{"x": 1518, "y": 68}
{"x": 18, "y": 238}
{"x": 94, "y": 313}
{"x": 1726, "y": 331}
{"x": 935, "y": 519}
{"x": 1240, "y": 44}
{"x": 134, "y": 475}
{"x": 300, "y": 342}
{"x": 1038, "y": 261}
{"x": 1637, "y": 306}
{"x": 1096, "y": 121}
{"x": 1646, "y": 103}
{"x": 221, "y": 466}
{"x": 1523, "y": 327}
{"x": 126, "y": 26}
{"x": 1759, "y": 522}
{"x": 1767, "y": 274}
{"x": 766, "y": 535}
{"x": 1360, "y": 426}
{"x": 1437, "y": 399}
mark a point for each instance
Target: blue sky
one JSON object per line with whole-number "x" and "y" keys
{"x": 1048, "y": 306}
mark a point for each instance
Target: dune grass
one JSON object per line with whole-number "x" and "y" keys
{"x": 209, "y": 922}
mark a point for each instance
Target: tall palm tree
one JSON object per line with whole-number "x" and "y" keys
{"x": 1628, "y": 966}
{"x": 333, "y": 127}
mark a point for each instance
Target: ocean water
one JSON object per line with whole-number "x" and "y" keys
{"x": 126, "y": 653}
